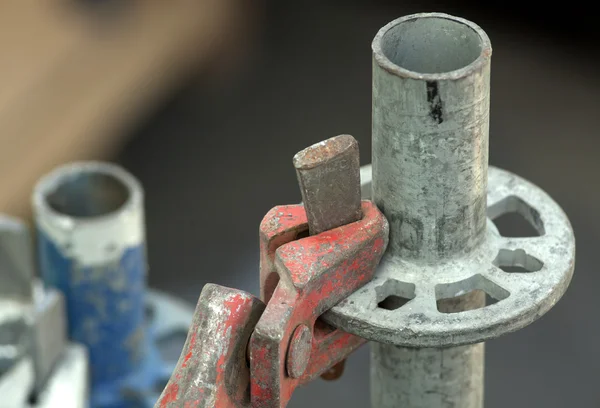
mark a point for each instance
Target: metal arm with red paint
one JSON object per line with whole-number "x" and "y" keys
{"x": 241, "y": 353}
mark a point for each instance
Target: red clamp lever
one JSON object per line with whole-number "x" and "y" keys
{"x": 289, "y": 347}
{"x": 301, "y": 277}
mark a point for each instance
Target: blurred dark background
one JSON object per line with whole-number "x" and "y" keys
{"x": 216, "y": 154}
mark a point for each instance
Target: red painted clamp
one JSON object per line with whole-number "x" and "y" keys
{"x": 212, "y": 371}
{"x": 301, "y": 279}
{"x": 288, "y": 346}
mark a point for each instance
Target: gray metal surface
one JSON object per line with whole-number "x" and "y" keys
{"x": 329, "y": 178}
{"x": 431, "y": 76}
{"x": 430, "y": 179}
{"x": 425, "y": 378}
{"x": 431, "y": 80}
{"x": 524, "y": 296}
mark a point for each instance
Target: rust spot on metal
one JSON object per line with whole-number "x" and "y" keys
{"x": 334, "y": 372}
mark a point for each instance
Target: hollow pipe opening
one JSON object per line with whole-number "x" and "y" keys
{"x": 430, "y": 44}
{"x": 88, "y": 194}
{"x": 86, "y": 191}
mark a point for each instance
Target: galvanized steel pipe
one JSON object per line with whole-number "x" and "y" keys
{"x": 91, "y": 246}
{"x": 430, "y": 153}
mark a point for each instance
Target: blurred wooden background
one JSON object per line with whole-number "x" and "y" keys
{"x": 75, "y": 78}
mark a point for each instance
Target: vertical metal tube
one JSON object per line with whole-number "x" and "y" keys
{"x": 430, "y": 156}
{"x": 430, "y": 134}
{"x": 91, "y": 246}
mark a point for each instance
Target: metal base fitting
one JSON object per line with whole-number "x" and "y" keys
{"x": 545, "y": 266}
{"x": 91, "y": 246}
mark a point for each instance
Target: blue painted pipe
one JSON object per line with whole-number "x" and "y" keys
{"x": 91, "y": 246}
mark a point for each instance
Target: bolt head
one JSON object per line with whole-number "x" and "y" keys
{"x": 299, "y": 351}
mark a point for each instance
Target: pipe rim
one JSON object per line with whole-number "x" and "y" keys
{"x": 384, "y": 62}
{"x": 51, "y": 181}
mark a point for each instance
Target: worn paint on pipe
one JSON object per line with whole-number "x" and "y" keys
{"x": 91, "y": 246}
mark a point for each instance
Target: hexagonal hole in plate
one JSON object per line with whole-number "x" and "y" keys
{"x": 469, "y": 294}
{"x": 517, "y": 261}
{"x": 514, "y": 217}
{"x": 394, "y": 294}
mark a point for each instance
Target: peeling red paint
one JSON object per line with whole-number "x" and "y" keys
{"x": 319, "y": 271}
{"x": 187, "y": 358}
{"x": 218, "y": 333}
{"x": 169, "y": 395}
{"x": 323, "y": 269}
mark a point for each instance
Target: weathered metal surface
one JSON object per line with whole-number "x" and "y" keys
{"x": 430, "y": 179}
{"x": 212, "y": 371}
{"x": 436, "y": 377}
{"x": 300, "y": 279}
{"x": 430, "y": 134}
{"x": 329, "y": 178}
{"x": 523, "y": 297}
{"x": 430, "y": 153}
